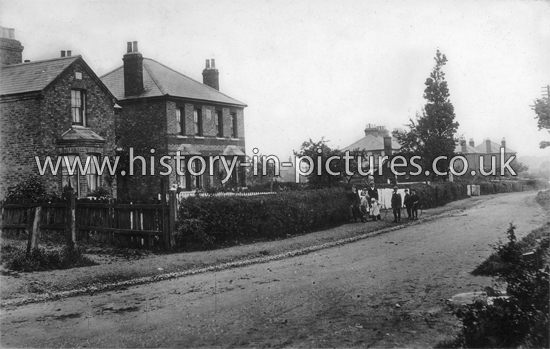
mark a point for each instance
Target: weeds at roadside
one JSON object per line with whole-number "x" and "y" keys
{"x": 521, "y": 319}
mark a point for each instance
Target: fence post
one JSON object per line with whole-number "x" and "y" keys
{"x": 172, "y": 214}
{"x": 34, "y": 232}
{"x": 70, "y": 217}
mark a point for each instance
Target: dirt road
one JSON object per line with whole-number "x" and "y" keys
{"x": 387, "y": 290}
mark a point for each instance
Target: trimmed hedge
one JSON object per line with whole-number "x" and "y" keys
{"x": 216, "y": 220}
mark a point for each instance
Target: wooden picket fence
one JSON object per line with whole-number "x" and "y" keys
{"x": 147, "y": 224}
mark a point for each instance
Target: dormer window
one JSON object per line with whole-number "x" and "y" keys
{"x": 78, "y": 107}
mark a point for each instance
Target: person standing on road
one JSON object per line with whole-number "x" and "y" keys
{"x": 365, "y": 204}
{"x": 408, "y": 203}
{"x": 372, "y": 192}
{"x": 396, "y": 205}
{"x": 414, "y": 204}
{"x": 375, "y": 210}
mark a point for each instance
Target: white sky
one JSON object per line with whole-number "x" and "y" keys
{"x": 309, "y": 69}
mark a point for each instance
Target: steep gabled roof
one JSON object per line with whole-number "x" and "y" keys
{"x": 32, "y": 76}
{"x": 160, "y": 80}
{"x": 22, "y": 78}
{"x": 495, "y": 148}
{"x": 371, "y": 143}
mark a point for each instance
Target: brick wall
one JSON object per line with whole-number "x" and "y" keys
{"x": 11, "y": 51}
{"x": 31, "y": 128}
{"x": 142, "y": 125}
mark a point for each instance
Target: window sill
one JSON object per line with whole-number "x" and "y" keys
{"x": 182, "y": 136}
{"x": 199, "y": 137}
{"x": 235, "y": 139}
{"x": 221, "y": 138}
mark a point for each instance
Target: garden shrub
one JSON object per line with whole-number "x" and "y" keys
{"x": 522, "y": 319}
{"x": 206, "y": 220}
{"x": 30, "y": 190}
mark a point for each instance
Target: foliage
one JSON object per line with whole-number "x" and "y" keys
{"x": 320, "y": 152}
{"x": 232, "y": 219}
{"x": 31, "y": 190}
{"x": 521, "y": 319}
{"x": 542, "y": 109}
{"x": 260, "y": 178}
{"x": 433, "y": 133}
{"x": 101, "y": 193}
{"x": 41, "y": 259}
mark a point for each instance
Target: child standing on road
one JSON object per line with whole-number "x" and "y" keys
{"x": 375, "y": 210}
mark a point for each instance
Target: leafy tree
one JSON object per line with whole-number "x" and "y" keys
{"x": 320, "y": 152}
{"x": 32, "y": 189}
{"x": 542, "y": 109}
{"x": 433, "y": 133}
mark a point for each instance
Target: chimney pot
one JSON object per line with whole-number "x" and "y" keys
{"x": 27, "y": 60}
{"x": 210, "y": 75}
{"x": 63, "y": 53}
{"x": 503, "y": 143}
{"x": 133, "y": 71}
{"x": 5, "y": 33}
{"x": 12, "y": 34}
{"x": 213, "y": 63}
{"x": 129, "y": 47}
{"x": 69, "y": 53}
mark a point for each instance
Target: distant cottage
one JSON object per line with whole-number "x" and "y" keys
{"x": 168, "y": 112}
{"x": 55, "y": 107}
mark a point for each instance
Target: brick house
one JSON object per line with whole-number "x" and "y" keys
{"x": 492, "y": 149}
{"x": 55, "y": 107}
{"x": 163, "y": 112}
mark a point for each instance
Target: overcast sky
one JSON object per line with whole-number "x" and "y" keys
{"x": 312, "y": 69}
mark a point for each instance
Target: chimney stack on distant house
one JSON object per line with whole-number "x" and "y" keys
{"x": 463, "y": 148}
{"x": 69, "y": 53}
{"x": 471, "y": 143}
{"x": 210, "y": 75}
{"x": 63, "y": 53}
{"x": 503, "y": 143}
{"x": 11, "y": 51}
{"x": 488, "y": 146}
{"x": 387, "y": 146}
{"x": 133, "y": 70}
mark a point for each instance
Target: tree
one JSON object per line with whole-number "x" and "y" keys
{"x": 320, "y": 152}
{"x": 542, "y": 109}
{"x": 433, "y": 133}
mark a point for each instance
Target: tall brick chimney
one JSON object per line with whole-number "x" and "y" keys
{"x": 210, "y": 75}
{"x": 463, "y": 148}
{"x": 11, "y": 51}
{"x": 488, "y": 146}
{"x": 471, "y": 142}
{"x": 387, "y": 146}
{"x": 133, "y": 70}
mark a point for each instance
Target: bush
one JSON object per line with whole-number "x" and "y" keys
{"x": 40, "y": 260}
{"x": 207, "y": 220}
{"x": 507, "y": 256}
{"x": 29, "y": 191}
{"x": 521, "y": 319}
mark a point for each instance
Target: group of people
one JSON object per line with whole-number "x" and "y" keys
{"x": 410, "y": 202}
{"x": 365, "y": 204}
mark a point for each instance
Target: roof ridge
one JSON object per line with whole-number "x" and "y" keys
{"x": 155, "y": 80}
{"x": 185, "y": 76}
{"x": 40, "y": 61}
